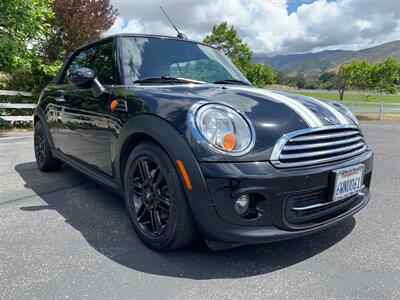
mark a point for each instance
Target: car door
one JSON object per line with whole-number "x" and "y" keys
{"x": 83, "y": 132}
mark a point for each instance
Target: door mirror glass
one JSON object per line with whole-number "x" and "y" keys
{"x": 81, "y": 77}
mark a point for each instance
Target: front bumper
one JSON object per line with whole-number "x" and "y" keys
{"x": 273, "y": 189}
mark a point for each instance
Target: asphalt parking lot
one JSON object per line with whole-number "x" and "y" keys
{"x": 63, "y": 236}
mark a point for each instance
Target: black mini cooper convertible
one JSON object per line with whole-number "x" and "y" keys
{"x": 172, "y": 126}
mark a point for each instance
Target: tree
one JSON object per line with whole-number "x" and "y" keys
{"x": 77, "y": 22}
{"x": 227, "y": 40}
{"x": 342, "y": 81}
{"x": 64, "y": 25}
{"x": 381, "y": 77}
{"x": 385, "y": 76}
{"x": 327, "y": 80}
{"x": 280, "y": 77}
{"x": 301, "y": 81}
{"x": 260, "y": 74}
{"x": 359, "y": 74}
{"x": 327, "y": 76}
{"x": 354, "y": 75}
{"x": 37, "y": 73}
{"x": 23, "y": 24}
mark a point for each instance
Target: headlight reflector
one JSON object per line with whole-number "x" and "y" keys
{"x": 222, "y": 128}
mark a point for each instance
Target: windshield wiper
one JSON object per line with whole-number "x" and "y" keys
{"x": 231, "y": 81}
{"x": 166, "y": 79}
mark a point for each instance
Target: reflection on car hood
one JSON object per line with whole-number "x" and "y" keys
{"x": 313, "y": 112}
{"x": 272, "y": 113}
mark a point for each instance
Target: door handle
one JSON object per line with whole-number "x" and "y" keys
{"x": 60, "y": 99}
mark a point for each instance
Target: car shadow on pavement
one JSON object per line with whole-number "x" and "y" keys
{"x": 100, "y": 217}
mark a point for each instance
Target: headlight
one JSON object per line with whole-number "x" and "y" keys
{"x": 223, "y": 129}
{"x": 344, "y": 109}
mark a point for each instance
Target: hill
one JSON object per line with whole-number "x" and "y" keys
{"x": 313, "y": 64}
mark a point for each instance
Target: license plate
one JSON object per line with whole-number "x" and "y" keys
{"x": 348, "y": 182}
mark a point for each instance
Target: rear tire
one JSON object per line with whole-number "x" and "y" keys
{"x": 44, "y": 159}
{"x": 155, "y": 199}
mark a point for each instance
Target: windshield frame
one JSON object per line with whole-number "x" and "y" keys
{"x": 119, "y": 55}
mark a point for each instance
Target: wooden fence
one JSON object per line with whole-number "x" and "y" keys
{"x": 13, "y": 119}
{"x": 377, "y": 110}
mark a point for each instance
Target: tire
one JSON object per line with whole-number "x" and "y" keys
{"x": 44, "y": 159}
{"x": 156, "y": 200}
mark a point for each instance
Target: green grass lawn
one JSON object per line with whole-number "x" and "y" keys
{"x": 351, "y": 97}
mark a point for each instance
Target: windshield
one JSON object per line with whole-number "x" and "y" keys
{"x": 144, "y": 57}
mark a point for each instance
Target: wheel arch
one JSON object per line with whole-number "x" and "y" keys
{"x": 146, "y": 126}
{"x": 129, "y": 144}
{"x": 39, "y": 116}
{"x": 142, "y": 128}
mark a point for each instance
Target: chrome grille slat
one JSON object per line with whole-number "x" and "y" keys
{"x": 323, "y": 152}
{"x": 324, "y": 136}
{"x": 314, "y": 146}
{"x": 322, "y": 145}
{"x": 321, "y": 160}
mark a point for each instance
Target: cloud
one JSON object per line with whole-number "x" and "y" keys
{"x": 266, "y": 25}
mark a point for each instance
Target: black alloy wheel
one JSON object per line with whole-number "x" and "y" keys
{"x": 150, "y": 196}
{"x": 44, "y": 159}
{"x": 156, "y": 200}
{"x": 39, "y": 146}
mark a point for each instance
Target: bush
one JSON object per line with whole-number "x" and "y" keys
{"x": 311, "y": 85}
{"x": 259, "y": 74}
{"x": 5, "y": 125}
{"x": 34, "y": 78}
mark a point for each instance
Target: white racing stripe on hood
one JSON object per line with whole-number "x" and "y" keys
{"x": 334, "y": 111}
{"x": 304, "y": 112}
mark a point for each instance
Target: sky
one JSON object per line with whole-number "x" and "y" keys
{"x": 270, "y": 27}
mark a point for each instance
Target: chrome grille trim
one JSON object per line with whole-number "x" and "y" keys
{"x": 319, "y": 153}
{"x": 319, "y": 145}
{"x": 295, "y": 149}
{"x": 320, "y": 161}
{"x": 323, "y": 136}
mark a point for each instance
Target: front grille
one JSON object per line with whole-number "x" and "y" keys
{"x": 317, "y": 146}
{"x": 314, "y": 207}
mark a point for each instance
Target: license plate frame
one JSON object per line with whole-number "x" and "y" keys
{"x": 338, "y": 173}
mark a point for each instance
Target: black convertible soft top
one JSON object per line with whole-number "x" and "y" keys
{"x": 114, "y": 36}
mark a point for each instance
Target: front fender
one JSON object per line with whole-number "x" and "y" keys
{"x": 175, "y": 144}
{"x": 41, "y": 116}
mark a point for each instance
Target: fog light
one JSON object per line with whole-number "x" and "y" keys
{"x": 242, "y": 204}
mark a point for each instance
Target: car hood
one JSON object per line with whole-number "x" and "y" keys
{"x": 272, "y": 113}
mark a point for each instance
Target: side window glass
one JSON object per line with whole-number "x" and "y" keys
{"x": 100, "y": 59}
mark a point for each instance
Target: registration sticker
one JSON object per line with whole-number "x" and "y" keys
{"x": 348, "y": 182}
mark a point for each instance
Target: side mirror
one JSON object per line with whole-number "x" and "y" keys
{"x": 86, "y": 78}
{"x": 82, "y": 77}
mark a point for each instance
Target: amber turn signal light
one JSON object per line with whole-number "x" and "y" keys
{"x": 113, "y": 104}
{"x": 184, "y": 174}
{"x": 229, "y": 141}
